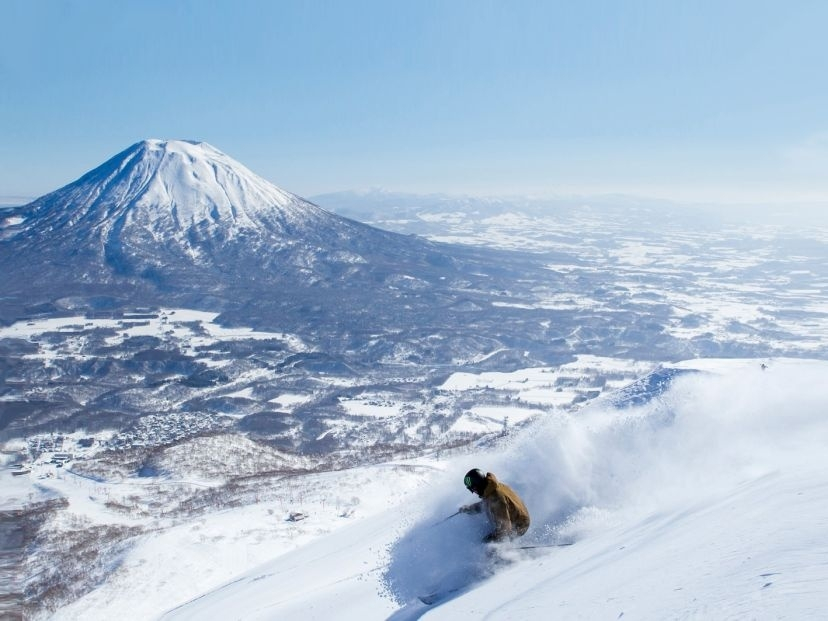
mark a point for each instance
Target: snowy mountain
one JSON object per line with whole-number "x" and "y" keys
{"x": 177, "y": 191}
{"x": 108, "y": 269}
{"x": 181, "y": 224}
{"x": 163, "y": 216}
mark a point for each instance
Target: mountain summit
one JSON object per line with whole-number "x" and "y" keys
{"x": 168, "y": 192}
{"x": 163, "y": 208}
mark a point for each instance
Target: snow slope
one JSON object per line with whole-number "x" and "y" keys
{"x": 710, "y": 500}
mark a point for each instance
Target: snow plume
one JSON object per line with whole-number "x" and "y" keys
{"x": 711, "y": 433}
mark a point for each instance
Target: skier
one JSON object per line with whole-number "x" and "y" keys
{"x": 506, "y": 512}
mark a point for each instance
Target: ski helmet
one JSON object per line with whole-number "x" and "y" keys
{"x": 475, "y": 480}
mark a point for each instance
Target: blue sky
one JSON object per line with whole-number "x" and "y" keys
{"x": 713, "y": 99}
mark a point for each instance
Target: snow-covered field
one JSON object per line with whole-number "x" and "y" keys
{"x": 716, "y": 275}
{"x": 194, "y": 329}
{"x": 708, "y": 500}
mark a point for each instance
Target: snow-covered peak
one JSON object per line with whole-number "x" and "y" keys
{"x": 172, "y": 188}
{"x": 177, "y": 215}
{"x": 202, "y": 184}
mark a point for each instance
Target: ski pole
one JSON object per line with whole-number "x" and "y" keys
{"x": 447, "y": 519}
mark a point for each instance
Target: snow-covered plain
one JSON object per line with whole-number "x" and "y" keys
{"x": 716, "y": 274}
{"x": 177, "y": 324}
{"x": 708, "y": 500}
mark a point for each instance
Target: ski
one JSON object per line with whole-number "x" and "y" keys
{"x": 433, "y": 598}
{"x": 544, "y": 545}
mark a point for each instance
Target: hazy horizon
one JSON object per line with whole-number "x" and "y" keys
{"x": 710, "y": 101}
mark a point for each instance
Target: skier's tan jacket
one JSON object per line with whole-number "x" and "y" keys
{"x": 505, "y": 509}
